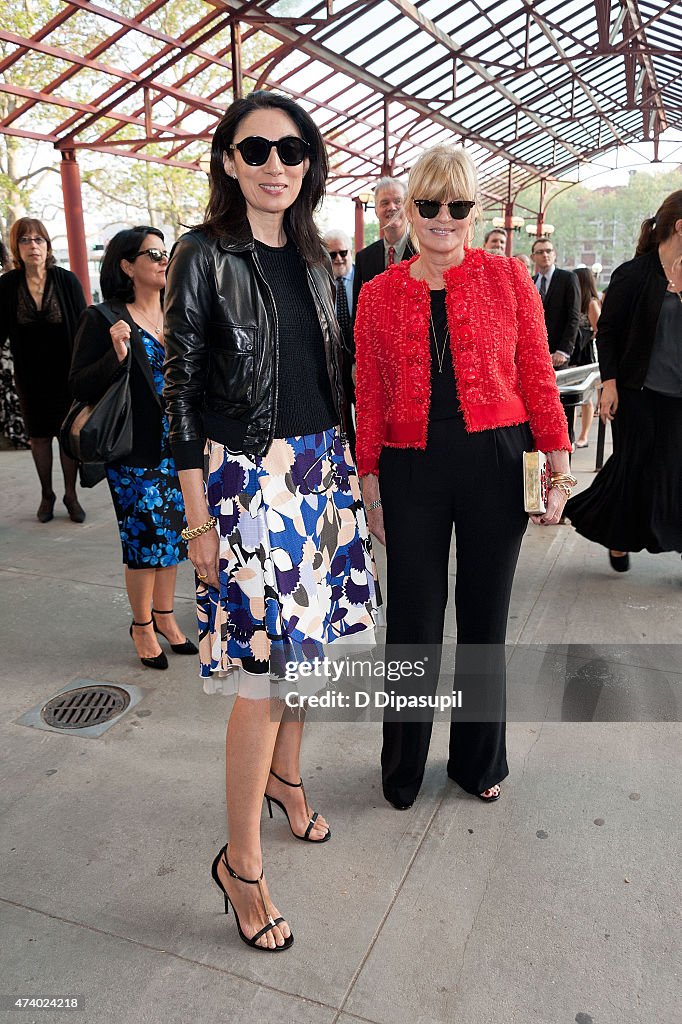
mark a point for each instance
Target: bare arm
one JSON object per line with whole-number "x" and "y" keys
{"x": 375, "y": 516}
{"x": 203, "y": 550}
{"x": 593, "y": 312}
{"x": 558, "y": 461}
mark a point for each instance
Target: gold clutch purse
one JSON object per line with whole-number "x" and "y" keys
{"x": 536, "y": 474}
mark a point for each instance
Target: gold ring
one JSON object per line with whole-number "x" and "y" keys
{"x": 199, "y": 576}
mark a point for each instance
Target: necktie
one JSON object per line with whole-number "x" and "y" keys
{"x": 391, "y": 255}
{"x": 342, "y": 311}
{"x": 543, "y": 287}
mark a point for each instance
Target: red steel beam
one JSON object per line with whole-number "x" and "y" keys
{"x": 359, "y": 239}
{"x": 73, "y": 214}
{"x": 107, "y": 69}
{"x": 603, "y": 15}
{"x": 86, "y": 108}
{"x": 46, "y": 29}
{"x": 103, "y": 97}
{"x": 73, "y": 69}
{"x": 151, "y": 78}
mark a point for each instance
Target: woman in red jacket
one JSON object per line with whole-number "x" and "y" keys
{"x": 454, "y": 382}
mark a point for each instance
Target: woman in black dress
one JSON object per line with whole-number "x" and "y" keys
{"x": 584, "y": 352}
{"x": 40, "y": 305}
{"x": 144, "y": 485}
{"x": 635, "y": 501}
{"x": 11, "y": 420}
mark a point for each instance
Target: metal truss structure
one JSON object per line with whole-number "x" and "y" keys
{"x": 533, "y": 88}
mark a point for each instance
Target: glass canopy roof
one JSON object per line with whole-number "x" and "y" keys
{"x": 533, "y": 89}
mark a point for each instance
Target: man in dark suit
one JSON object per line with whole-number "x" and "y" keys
{"x": 389, "y": 200}
{"x": 337, "y": 244}
{"x": 560, "y": 294}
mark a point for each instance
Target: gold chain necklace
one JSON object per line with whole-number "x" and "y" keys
{"x": 155, "y": 327}
{"x": 671, "y": 284}
{"x": 440, "y": 353}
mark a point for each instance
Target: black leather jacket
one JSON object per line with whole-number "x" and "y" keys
{"x": 222, "y": 347}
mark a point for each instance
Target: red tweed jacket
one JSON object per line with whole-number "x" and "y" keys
{"x": 503, "y": 368}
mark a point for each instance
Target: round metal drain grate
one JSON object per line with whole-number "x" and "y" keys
{"x": 84, "y": 707}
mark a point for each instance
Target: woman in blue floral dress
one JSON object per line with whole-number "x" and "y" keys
{"x": 278, "y": 534}
{"x": 144, "y": 485}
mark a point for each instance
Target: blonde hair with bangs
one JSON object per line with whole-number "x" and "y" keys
{"x": 443, "y": 173}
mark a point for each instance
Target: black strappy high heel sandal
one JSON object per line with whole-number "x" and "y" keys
{"x": 160, "y": 661}
{"x": 288, "y": 942}
{"x": 270, "y": 800}
{"x": 184, "y": 648}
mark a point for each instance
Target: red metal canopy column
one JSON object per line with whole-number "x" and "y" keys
{"x": 359, "y": 225}
{"x": 73, "y": 213}
{"x": 540, "y": 223}
{"x": 508, "y": 212}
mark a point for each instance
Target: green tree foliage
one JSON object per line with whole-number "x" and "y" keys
{"x": 127, "y": 189}
{"x": 601, "y": 225}
{"x": 591, "y": 226}
{"x": 22, "y": 166}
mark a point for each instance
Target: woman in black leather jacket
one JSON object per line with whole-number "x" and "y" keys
{"x": 277, "y": 531}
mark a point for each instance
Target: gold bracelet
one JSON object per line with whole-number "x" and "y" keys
{"x": 562, "y": 487}
{"x": 188, "y": 534}
{"x": 564, "y": 478}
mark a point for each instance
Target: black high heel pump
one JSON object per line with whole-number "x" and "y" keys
{"x": 270, "y": 800}
{"x": 252, "y": 942}
{"x": 45, "y": 511}
{"x": 184, "y": 648}
{"x": 160, "y": 661}
{"x": 621, "y": 563}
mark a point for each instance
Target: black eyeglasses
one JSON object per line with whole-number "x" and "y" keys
{"x": 338, "y": 252}
{"x": 458, "y": 209}
{"x": 155, "y": 255}
{"x": 255, "y": 150}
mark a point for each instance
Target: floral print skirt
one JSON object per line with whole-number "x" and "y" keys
{"x": 150, "y": 513}
{"x": 296, "y": 567}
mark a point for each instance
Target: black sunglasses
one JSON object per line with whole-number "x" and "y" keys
{"x": 338, "y": 252}
{"x": 255, "y": 150}
{"x": 458, "y": 209}
{"x": 155, "y": 255}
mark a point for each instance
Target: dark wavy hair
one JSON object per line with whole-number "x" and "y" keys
{"x": 659, "y": 228}
{"x": 588, "y": 287}
{"x": 21, "y": 227}
{"x": 123, "y": 246}
{"x": 226, "y": 209}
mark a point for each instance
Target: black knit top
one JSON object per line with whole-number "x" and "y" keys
{"x": 305, "y": 404}
{"x": 444, "y": 399}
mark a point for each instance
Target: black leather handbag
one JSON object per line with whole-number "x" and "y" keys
{"x": 102, "y": 432}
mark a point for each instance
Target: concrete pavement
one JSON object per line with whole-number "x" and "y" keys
{"x": 559, "y": 903}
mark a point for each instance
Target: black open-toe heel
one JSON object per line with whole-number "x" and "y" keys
{"x": 493, "y": 798}
{"x": 184, "y": 648}
{"x": 270, "y": 800}
{"x": 160, "y": 661}
{"x": 288, "y": 942}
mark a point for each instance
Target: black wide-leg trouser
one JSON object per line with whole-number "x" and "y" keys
{"x": 474, "y": 482}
